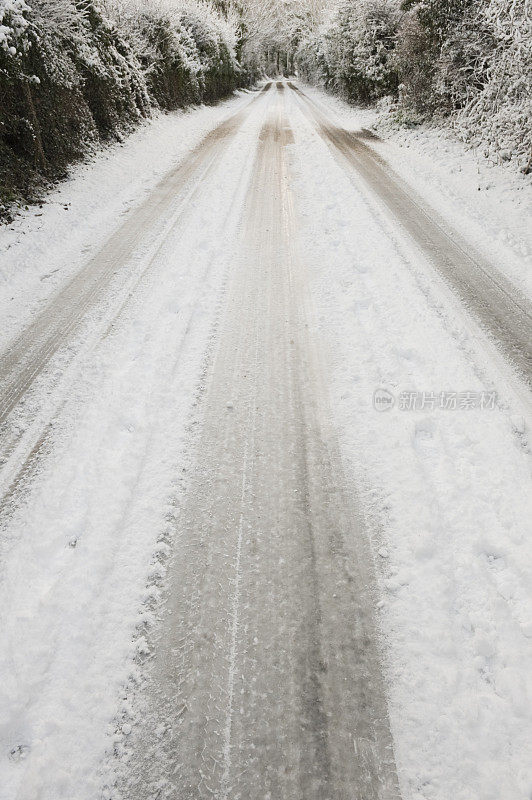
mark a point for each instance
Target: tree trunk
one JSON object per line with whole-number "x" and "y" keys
{"x": 40, "y": 158}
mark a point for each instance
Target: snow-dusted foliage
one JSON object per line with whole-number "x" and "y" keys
{"x": 75, "y": 71}
{"x": 499, "y": 115}
{"x": 470, "y": 61}
{"x": 352, "y": 53}
{"x": 186, "y": 48}
{"x": 274, "y": 30}
{"x": 443, "y": 54}
{"x": 13, "y": 24}
{"x": 67, "y": 78}
{"x": 466, "y": 62}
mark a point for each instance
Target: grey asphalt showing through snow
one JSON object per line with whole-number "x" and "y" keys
{"x": 266, "y": 680}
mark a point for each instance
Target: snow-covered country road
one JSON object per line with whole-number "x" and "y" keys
{"x": 265, "y": 477}
{"x": 273, "y": 559}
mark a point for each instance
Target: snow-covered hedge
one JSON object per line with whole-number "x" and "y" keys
{"x": 498, "y": 116}
{"x": 352, "y": 54}
{"x": 73, "y": 72}
{"x": 464, "y": 62}
{"x": 187, "y": 50}
{"x": 13, "y": 24}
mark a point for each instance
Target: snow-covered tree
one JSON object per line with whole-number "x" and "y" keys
{"x": 73, "y": 72}
{"x": 351, "y": 51}
{"x": 13, "y": 25}
{"x": 498, "y": 116}
{"x": 464, "y": 62}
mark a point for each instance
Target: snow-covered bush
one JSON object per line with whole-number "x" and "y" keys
{"x": 469, "y": 60}
{"x": 498, "y": 116}
{"x": 360, "y": 46}
{"x": 13, "y": 24}
{"x": 313, "y": 59}
{"x": 187, "y": 49}
{"x": 352, "y": 52}
{"x": 74, "y": 72}
{"x": 441, "y": 54}
{"x": 215, "y": 43}
{"x": 72, "y": 80}
{"x": 463, "y": 62}
{"x": 414, "y": 62}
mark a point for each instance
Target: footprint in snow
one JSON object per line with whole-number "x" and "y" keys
{"x": 19, "y": 753}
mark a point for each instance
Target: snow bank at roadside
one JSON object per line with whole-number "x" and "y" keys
{"x": 489, "y": 204}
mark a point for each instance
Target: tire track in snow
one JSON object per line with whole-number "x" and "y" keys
{"x": 25, "y": 358}
{"x": 498, "y": 306}
{"x": 30, "y": 355}
{"x": 157, "y": 352}
{"x": 266, "y": 678}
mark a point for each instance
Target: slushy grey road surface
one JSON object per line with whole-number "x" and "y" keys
{"x": 266, "y": 680}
